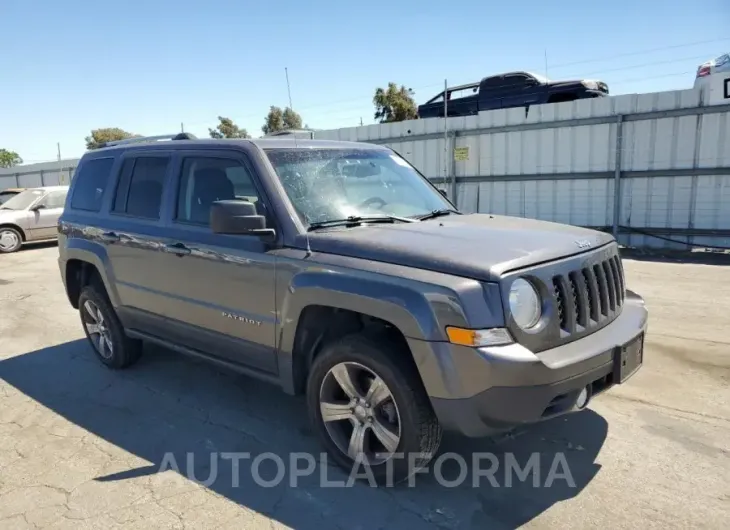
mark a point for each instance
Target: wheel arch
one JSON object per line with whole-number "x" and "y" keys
{"x": 321, "y": 307}
{"x": 15, "y": 227}
{"x": 82, "y": 262}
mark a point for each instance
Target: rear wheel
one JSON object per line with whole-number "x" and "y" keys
{"x": 104, "y": 330}
{"x": 10, "y": 239}
{"x": 369, "y": 408}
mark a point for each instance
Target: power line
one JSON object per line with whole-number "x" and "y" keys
{"x": 643, "y": 52}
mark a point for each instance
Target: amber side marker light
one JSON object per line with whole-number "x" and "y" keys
{"x": 475, "y": 338}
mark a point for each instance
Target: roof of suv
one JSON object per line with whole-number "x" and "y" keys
{"x": 278, "y": 142}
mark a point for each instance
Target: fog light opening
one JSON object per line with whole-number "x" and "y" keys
{"x": 583, "y": 398}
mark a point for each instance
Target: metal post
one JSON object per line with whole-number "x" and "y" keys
{"x": 453, "y": 169}
{"x": 617, "y": 176}
{"x": 446, "y": 133}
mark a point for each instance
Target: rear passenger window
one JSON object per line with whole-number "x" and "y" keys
{"x": 90, "y": 183}
{"x": 206, "y": 180}
{"x": 139, "y": 192}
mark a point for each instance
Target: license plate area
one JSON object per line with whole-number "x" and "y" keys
{"x": 628, "y": 359}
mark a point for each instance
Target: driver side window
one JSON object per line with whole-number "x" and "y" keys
{"x": 54, "y": 199}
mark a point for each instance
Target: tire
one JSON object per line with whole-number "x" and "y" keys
{"x": 124, "y": 351}
{"x": 10, "y": 240}
{"x": 419, "y": 433}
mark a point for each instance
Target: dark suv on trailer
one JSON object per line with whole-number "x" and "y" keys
{"x": 336, "y": 270}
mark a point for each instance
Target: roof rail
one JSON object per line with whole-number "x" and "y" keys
{"x": 287, "y": 132}
{"x": 138, "y": 139}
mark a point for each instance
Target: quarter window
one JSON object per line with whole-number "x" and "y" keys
{"x": 90, "y": 182}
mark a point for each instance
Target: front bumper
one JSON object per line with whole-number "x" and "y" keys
{"x": 480, "y": 391}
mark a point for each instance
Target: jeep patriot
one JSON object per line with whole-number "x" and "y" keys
{"x": 337, "y": 271}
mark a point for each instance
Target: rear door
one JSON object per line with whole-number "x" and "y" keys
{"x": 220, "y": 288}
{"x": 43, "y": 216}
{"x": 134, "y": 244}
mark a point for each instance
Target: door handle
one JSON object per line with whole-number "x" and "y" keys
{"x": 110, "y": 237}
{"x": 177, "y": 248}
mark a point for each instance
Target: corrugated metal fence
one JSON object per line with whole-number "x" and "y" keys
{"x": 637, "y": 164}
{"x": 32, "y": 175}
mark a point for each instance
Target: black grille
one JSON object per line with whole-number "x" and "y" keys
{"x": 588, "y": 296}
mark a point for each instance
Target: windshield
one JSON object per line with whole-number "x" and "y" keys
{"x": 22, "y": 200}
{"x": 330, "y": 184}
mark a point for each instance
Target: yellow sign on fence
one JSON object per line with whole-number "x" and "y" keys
{"x": 461, "y": 154}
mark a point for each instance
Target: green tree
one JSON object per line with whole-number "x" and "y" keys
{"x": 9, "y": 158}
{"x": 109, "y": 134}
{"x": 280, "y": 120}
{"x": 227, "y": 129}
{"x": 394, "y": 104}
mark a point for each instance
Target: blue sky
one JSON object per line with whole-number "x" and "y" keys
{"x": 71, "y": 66}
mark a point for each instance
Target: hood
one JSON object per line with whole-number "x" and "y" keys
{"x": 568, "y": 82}
{"x": 577, "y": 82}
{"x": 12, "y": 216}
{"x": 479, "y": 246}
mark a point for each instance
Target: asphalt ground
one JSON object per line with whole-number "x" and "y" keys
{"x": 85, "y": 447}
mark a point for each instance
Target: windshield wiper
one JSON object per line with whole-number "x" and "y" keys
{"x": 437, "y": 213}
{"x": 355, "y": 220}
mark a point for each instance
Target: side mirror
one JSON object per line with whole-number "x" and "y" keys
{"x": 443, "y": 192}
{"x": 37, "y": 207}
{"x": 238, "y": 218}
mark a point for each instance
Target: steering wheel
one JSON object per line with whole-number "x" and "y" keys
{"x": 369, "y": 202}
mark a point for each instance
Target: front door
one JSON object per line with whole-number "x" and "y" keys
{"x": 43, "y": 216}
{"x": 219, "y": 288}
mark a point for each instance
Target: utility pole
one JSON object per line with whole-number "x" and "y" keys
{"x": 546, "y": 69}
{"x": 360, "y": 121}
{"x": 182, "y": 127}
{"x": 288, "y": 90}
{"x": 58, "y": 146}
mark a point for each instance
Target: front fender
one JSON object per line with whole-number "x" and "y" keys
{"x": 419, "y": 310}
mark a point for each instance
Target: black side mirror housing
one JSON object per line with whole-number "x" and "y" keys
{"x": 443, "y": 192}
{"x": 238, "y": 217}
{"x": 37, "y": 207}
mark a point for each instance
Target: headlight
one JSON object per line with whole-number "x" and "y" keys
{"x": 524, "y": 303}
{"x": 590, "y": 85}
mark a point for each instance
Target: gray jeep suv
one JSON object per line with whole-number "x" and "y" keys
{"x": 336, "y": 270}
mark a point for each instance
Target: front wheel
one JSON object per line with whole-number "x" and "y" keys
{"x": 369, "y": 408}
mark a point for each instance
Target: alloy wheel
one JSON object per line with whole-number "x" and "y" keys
{"x": 97, "y": 329}
{"x": 360, "y": 413}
